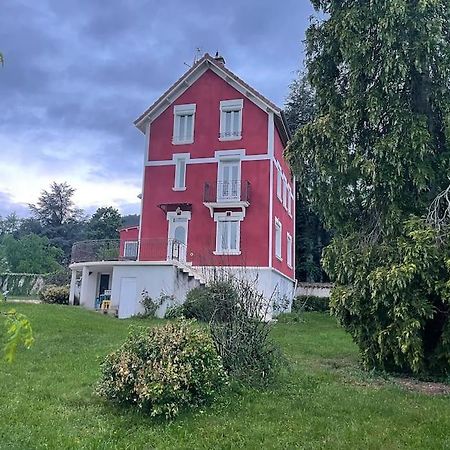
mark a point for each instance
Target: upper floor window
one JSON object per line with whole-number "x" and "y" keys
{"x": 285, "y": 193}
{"x": 279, "y": 184}
{"x": 183, "y": 125}
{"x": 180, "y": 171}
{"x": 231, "y": 120}
{"x": 229, "y": 180}
{"x": 289, "y": 200}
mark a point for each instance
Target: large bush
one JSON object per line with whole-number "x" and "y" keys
{"x": 55, "y": 294}
{"x": 241, "y": 333}
{"x": 204, "y": 302}
{"x": 394, "y": 298}
{"x": 163, "y": 369}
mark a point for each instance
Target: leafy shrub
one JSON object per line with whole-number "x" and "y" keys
{"x": 174, "y": 312}
{"x": 163, "y": 369}
{"x": 198, "y": 304}
{"x": 241, "y": 333}
{"x": 216, "y": 299}
{"x": 150, "y": 306}
{"x": 310, "y": 303}
{"x": 55, "y": 294}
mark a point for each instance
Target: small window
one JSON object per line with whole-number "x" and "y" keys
{"x": 183, "y": 127}
{"x": 278, "y": 231}
{"x": 231, "y": 120}
{"x": 180, "y": 174}
{"x": 289, "y": 250}
{"x": 228, "y": 236}
{"x": 130, "y": 249}
{"x": 279, "y": 183}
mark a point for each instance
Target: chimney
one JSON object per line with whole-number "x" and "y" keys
{"x": 219, "y": 59}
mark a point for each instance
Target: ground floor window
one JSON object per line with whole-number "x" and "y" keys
{"x": 278, "y": 231}
{"x": 130, "y": 249}
{"x": 289, "y": 250}
{"x": 228, "y": 233}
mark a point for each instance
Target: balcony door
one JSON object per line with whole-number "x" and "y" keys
{"x": 229, "y": 181}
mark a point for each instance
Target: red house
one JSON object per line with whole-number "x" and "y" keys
{"x": 216, "y": 190}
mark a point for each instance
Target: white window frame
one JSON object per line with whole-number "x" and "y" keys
{"x": 227, "y": 106}
{"x": 178, "y": 112}
{"x": 228, "y": 217}
{"x": 180, "y": 160}
{"x": 285, "y": 192}
{"x": 128, "y": 244}
{"x": 234, "y": 191}
{"x": 278, "y": 239}
{"x": 289, "y": 201}
{"x": 279, "y": 182}
{"x": 289, "y": 243}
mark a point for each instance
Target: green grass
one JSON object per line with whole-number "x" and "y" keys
{"x": 324, "y": 401}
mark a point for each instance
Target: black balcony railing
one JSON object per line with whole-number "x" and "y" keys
{"x": 227, "y": 191}
{"x": 116, "y": 250}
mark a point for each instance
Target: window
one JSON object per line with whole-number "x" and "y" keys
{"x": 289, "y": 200}
{"x": 183, "y": 126}
{"x": 289, "y": 250}
{"x": 179, "y": 183}
{"x": 231, "y": 120}
{"x": 285, "y": 193}
{"x": 278, "y": 231}
{"x": 279, "y": 183}
{"x": 228, "y": 233}
{"x": 130, "y": 249}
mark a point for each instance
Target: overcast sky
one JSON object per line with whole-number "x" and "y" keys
{"x": 78, "y": 72}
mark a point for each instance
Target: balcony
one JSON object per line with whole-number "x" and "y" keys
{"x": 227, "y": 192}
{"x": 116, "y": 250}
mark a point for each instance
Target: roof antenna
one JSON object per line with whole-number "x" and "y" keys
{"x": 197, "y": 57}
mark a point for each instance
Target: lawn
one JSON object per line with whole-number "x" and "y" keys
{"x": 325, "y": 401}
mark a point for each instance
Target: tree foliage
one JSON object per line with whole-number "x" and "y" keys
{"x": 311, "y": 235}
{"x": 376, "y": 152}
{"x": 30, "y": 254}
{"x": 104, "y": 224}
{"x": 394, "y": 298}
{"x": 18, "y": 333}
{"x": 56, "y": 207}
{"x": 300, "y": 105}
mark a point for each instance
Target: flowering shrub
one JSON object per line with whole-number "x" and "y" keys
{"x": 55, "y": 294}
{"x": 163, "y": 369}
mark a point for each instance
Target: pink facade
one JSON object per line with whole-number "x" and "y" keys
{"x": 213, "y": 154}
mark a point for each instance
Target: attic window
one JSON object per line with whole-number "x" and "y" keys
{"x": 231, "y": 120}
{"x": 183, "y": 125}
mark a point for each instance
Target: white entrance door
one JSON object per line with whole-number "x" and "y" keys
{"x": 128, "y": 297}
{"x": 177, "y": 242}
{"x": 229, "y": 183}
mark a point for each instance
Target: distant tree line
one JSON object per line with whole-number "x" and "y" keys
{"x": 42, "y": 243}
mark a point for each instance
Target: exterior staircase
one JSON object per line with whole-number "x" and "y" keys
{"x": 187, "y": 268}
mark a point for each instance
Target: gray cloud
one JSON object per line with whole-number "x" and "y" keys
{"x": 77, "y": 73}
